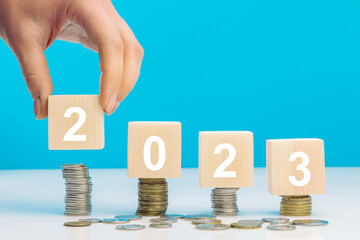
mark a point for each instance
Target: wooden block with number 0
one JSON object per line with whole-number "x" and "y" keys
{"x": 295, "y": 166}
{"x": 226, "y": 159}
{"x": 154, "y": 149}
{"x": 75, "y": 122}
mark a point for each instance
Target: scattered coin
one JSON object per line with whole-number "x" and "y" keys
{"x": 207, "y": 221}
{"x": 212, "y": 226}
{"x": 131, "y": 217}
{"x": 175, "y": 216}
{"x": 310, "y": 222}
{"x": 276, "y": 220}
{"x": 199, "y": 217}
{"x": 224, "y": 201}
{"x": 160, "y": 225}
{"x": 281, "y": 227}
{"x": 251, "y": 221}
{"x": 244, "y": 225}
{"x": 163, "y": 220}
{"x": 116, "y": 220}
{"x": 91, "y": 220}
{"x": 130, "y": 227}
{"x": 77, "y": 224}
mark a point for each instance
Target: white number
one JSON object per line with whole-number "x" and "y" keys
{"x": 220, "y": 171}
{"x": 147, "y": 153}
{"x": 301, "y": 167}
{"x": 69, "y": 136}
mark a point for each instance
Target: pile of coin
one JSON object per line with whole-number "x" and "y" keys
{"x": 224, "y": 201}
{"x": 152, "y": 196}
{"x": 78, "y": 189}
{"x": 296, "y": 206}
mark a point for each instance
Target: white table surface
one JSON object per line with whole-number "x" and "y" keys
{"x": 32, "y": 206}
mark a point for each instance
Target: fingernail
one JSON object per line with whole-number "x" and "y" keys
{"x": 115, "y": 107}
{"x": 111, "y": 104}
{"x": 37, "y": 107}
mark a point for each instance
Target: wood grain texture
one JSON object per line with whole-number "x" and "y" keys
{"x": 279, "y": 168}
{"x": 138, "y": 133}
{"x": 243, "y": 163}
{"x": 59, "y": 125}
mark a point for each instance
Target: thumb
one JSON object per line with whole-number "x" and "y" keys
{"x": 36, "y": 74}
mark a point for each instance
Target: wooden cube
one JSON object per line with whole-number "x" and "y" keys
{"x": 226, "y": 159}
{"x": 154, "y": 150}
{"x": 75, "y": 122}
{"x": 295, "y": 166}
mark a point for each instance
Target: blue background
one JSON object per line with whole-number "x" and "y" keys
{"x": 281, "y": 69}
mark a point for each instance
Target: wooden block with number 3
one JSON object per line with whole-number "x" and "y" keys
{"x": 75, "y": 122}
{"x": 226, "y": 159}
{"x": 295, "y": 166}
{"x": 154, "y": 150}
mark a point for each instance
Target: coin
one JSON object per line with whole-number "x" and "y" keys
{"x": 310, "y": 222}
{"x": 244, "y": 225}
{"x": 199, "y": 217}
{"x": 207, "y": 221}
{"x": 224, "y": 201}
{"x": 212, "y": 226}
{"x": 131, "y": 217}
{"x": 163, "y": 220}
{"x": 77, "y": 224}
{"x": 116, "y": 220}
{"x": 175, "y": 216}
{"x": 91, "y": 220}
{"x": 276, "y": 220}
{"x": 160, "y": 225}
{"x": 130, "y": 227}
{"x": 296, "y": 206}
{"x": 281, "y": 227}
{"x": 251, "y": 221}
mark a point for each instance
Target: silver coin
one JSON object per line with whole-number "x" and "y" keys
{"x": 219, "y": 226}
{"x": 92, "y": 220}
{"x": 163, "y": 220}
{"x": 131, "y": 217}
{"x": 281, "y": 227}
{"x": 175, "y": 216}
{"x": 310, "y": 222}
{"x": 276, "y": 220}
{"x": 199, "y": 216}
{"x": 130, "y": 227}
{"x": 251, "y": 221}
{"x": 115, "y": 220}
{"x": 160, "y": 225}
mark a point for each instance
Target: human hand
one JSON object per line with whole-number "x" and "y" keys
{"x": 29, "y": 27}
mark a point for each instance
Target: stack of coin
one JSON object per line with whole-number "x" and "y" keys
{"x": 224, "y": 201}
{"x": 296, "y": 206}
{"x": 78, "y": 189}
{"x": 152, "y": 196}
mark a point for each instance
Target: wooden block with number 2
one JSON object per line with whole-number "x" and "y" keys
{"x": 226, "y": 159}
{"x": 75, "y": 122}
{"x": 295, "y": 166}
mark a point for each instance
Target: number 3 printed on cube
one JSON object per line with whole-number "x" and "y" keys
{"x": 75, "y": 122}
{"x": 154, "y": 149}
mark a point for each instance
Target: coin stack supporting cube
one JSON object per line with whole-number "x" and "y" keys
{"x": 296, "y": 205}
{"x": 152, "y": 196}
{"x": 78, "y": 189}
{"x": 224, "y": 201}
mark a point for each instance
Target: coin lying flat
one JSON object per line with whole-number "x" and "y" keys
{"x": 310, "y": 222}
{"x": 130, "y": 227}
{"x": 244, "y": 225}
{"x": 116, "y": 220}
{"x": 131, "y": 217}
{"x": 91, "y": 220}
{"x": 212, "y": 226}
{"x": 160, "y": 225}
{"x": 277, "y": 220}
{"x": 77, "y": 224}
{"x": 251, "y": 221}
{"x": 281, "y": 227}
{"x": 175, "y": 216}
{"x": 206, "y": 221}
{"x": 199, "y": 217}
{"x": 163, "y": 220}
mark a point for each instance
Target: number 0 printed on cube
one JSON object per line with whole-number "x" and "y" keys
{"x": 295, "y": 166}
{"x": 75, "y": 122}
{"x": 226, "y": 159}
{"x": 154, "y": 149}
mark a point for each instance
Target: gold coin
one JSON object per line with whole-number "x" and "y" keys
{"x": 249, "y": 225}
{"x": 77, "y": 224}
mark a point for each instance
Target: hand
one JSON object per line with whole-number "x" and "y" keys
{"x": 29, "y": 27}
